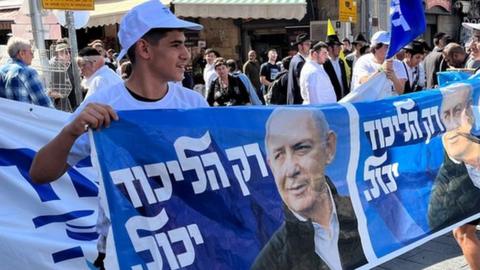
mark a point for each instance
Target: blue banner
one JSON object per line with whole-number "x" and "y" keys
{"x": 277, "y": 187}
{"x": 407, "y": 21}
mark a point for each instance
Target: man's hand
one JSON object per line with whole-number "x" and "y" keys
{"x": 388, "y": 67}
{"x": 95, "y": 116}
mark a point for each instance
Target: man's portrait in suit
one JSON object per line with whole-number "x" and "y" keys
{"x": 320, "y": 228}
{"x": 454, "y": 194}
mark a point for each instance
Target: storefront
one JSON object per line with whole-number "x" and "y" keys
{"x": 233, "y": 27}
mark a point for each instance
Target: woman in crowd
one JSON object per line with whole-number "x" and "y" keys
{"x": 226, "y": 90}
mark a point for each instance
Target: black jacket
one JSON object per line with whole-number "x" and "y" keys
{"x": 292, "y": 246}
{"x": 296, "y": 65}
{"x": 453, "y": 197}
{"x": 328, "y": 66}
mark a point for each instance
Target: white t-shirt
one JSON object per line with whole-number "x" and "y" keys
{"x": 104, "y": 77}
{"x": 315, "y": 85}
{"x": 209, "y": 75}
{"x": 366, "y": 66}
{"x": 120, "y": 99}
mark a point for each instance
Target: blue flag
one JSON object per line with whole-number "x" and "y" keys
{"x": 407, "y": 22}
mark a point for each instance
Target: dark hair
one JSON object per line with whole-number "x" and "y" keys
{"x": 152, "y": 37}
{"x": 232, "y": 65}
{"x": 437, "y": 37}
{"x": 286, "y": 62}
{"x": 319, "y": 45}
{"x": 126, "y": 69}
{"x": 210, "y": 50}
{"x": 375, "y": 47}
{"x": 219, "y": 62}
{"x": 88, "y": 51}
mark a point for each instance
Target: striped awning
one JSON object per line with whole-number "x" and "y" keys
{"x": 111, "y": 11}
{"x": 245, "y": 9}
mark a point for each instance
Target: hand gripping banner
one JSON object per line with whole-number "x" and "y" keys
{"x": 301, "y": 187}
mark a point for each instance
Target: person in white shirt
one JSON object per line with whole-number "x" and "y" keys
{"x": 374, "y": 62}
{"x": 156, "y": 48}
{"x": 96, "y": 74}
{"x": 315, "y": 85}
{"x": 209, "y": 74}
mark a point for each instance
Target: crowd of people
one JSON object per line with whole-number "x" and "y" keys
{"x": 333, "y": 68}
{"x": 154, "y": 77}
{"x": 326, "y": 71}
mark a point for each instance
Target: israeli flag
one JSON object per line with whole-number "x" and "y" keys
{"x": 407, "y": 22}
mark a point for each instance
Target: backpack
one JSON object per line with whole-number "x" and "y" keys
{"x": 277, "y": 91}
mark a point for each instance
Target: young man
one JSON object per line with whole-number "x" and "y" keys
{"x": 269, "y": 69}
{"x": 414, "y": 53}
{"x": 315, "y": 84}
{"x": 303, "y": 44}
{"x": 434, "y": 61}
{"x": 335, "y": 67}
{"x": 209, "y": 74}
{"x": 374, "y": 62}
{"x": 156, "y": 48}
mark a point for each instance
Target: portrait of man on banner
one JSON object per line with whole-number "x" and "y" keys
{"x": 320, "y": 228}
{"x": 456, "y": 191}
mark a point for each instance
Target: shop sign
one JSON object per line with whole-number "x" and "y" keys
{"x": 347, "y": 11}
{"x": 69, "y": 4}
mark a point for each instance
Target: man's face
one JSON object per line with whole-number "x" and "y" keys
{"x": 297, "y": 156}
{"x": 87, "y": 66}
{"x": 252, "y": 55}
{"x": 64, "y": 55}
{"x": 382, "y": 51}
{"x": 334, "y": 50}
{"x": 346, "y": 45}
{"x": 304, "y": 47}
{"x": 272, "y": 56}
{"x": 26, "y": 55}
{"x": 359, "y": 45}
{"x": 414, "y": 59}
{"x": 321, "y": 56}
{"x": 210, "y": 57}
{"x": 170, "y": 56}
{"x": 457, "y": 117}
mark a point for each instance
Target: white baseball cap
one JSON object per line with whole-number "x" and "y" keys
{"x": 471, "y": 26}
{"x": 380, "y": 37}
{"x": 151, "y": 14}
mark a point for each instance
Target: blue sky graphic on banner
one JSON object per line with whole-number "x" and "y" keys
{"x": 197, "y": 188}
{"x": 407, "y": 21}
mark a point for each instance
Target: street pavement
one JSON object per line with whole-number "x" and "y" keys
{"x": 441, "y": 253}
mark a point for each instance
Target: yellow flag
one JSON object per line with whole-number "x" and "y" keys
{"x": 330, "y": 29}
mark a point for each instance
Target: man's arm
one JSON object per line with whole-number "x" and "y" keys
{"x": 51, "y": 161}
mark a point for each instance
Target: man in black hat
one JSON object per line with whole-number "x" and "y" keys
{"x": 414, "y": 53}
{"x": 335, "y": 67}
{"x": 359, "y": 42}
{"x": 434, "y": 60}
{"x": 303, "y": 44}
{"x": 346, "y": 46}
